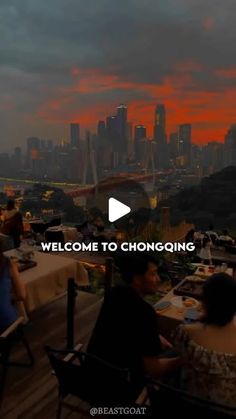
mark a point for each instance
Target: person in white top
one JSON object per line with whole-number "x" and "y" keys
{"x": 225, "y": 237}
{"x": 205, "y": 252}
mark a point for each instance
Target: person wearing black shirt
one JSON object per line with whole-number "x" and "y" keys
{"x": 126, "y": 333}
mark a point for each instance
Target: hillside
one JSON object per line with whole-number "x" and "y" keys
{"x": 213, "y": 201}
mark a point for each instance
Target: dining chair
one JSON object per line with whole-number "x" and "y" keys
{"x": 91, "y": 380}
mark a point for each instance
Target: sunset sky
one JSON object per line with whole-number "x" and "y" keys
{"x": 76, "y": 60}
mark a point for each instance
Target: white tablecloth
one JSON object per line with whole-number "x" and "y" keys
{"x": 69, "y": 233}
{"x": 48, "y": 279}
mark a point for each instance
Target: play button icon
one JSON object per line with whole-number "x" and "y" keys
{"x": 122, "y": 201}
{"x": 117, "y": 209}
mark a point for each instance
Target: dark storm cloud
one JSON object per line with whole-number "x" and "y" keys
{"x": 140, "y": 41}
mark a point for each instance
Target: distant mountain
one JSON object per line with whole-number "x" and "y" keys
{"x": 211, "y": 202}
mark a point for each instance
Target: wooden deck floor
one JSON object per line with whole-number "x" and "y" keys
{"x": 31, "y": 393}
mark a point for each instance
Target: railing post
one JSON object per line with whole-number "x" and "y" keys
{"x": 71, "y": 298}
{"x": 108, "y": 276}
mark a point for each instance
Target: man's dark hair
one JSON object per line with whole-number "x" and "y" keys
{"x": 219, "y": 298}
{"x": 131, "y": 264}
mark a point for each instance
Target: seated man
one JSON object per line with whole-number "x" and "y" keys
{"x": 211, "y": 233}
{"x": 126, "y": 333}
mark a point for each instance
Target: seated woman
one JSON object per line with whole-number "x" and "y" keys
{"x": 210, "y": 345}
{"x": 9, "y": 281}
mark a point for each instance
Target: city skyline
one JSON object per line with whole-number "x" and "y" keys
{"x": 64, "y": 61}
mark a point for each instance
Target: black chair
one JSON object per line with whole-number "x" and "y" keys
{"x": 54, "y": 222}
{"x": 4, "y": 355}
{"x": 165, "y": 398}
{"x": 230, "y": 249}
{"x": 38, "y": 227}
{"x": 13, "y": 334}
{"x": 54, "y": 236}
{"x": 223, "y": 243}
{"x": 91, "y": 379}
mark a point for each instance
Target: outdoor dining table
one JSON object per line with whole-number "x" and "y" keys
{"x": 68, "y": 233}
{"x": 171, "y": 316}
{"x": 48, "y": 279}
{"x": 205, "y": 271}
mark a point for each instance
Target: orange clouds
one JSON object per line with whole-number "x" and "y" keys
{"x": 90, "y": 98}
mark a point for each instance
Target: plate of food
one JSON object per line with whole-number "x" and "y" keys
{"x": 194, "y": 278}
{"x": 184, "y": 302}
{"x": 162, "y": 305}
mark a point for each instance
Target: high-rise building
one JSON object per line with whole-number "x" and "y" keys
{"x": 212, "y": 157}
{"x": 196, "y": 158}
{"x": 103, "y": 147}
{"x": 185, "y": 143}
{"x": 159, "y": 134}
{"x": 173, "y": 146}
{"x": 74, "y": 134}
{"x": 17, "y": 159}
{"x": 33, "y": 152}
{"x": 130, "y": 141}
{"x": 101, "y": 131}
{"x": 122, "y": 132}
{"x": 140, "y": 134}
{"x": 112, "y": 134}
{"x": 159, "y": 121}
{"x": 33, "y": 143}
{"x": 50, "y": 145}
{"x": 90, "y": 169}
{"x": 230, "y": 147}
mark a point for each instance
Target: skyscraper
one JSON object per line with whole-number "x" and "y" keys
{"x": 185, "y": 142}
{"x": 33, "y": 153}
{"x": 130, "y": 141}
{"x": 112, "y": 134}
{"x": 173, "y": 146}
{"x": 101, "y": 131}
{"x": 122, "y": 132}
{"x": 212, "y": 157}
{"x": 33, "y": 143}
{"x": 159, "y": 134}
{"x": 74, "y": 134}
{"x": 230, "y": 147}
{"x": 140, "y": 134}
{"x": 159, "y": 122}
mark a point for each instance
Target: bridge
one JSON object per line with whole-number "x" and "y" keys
{"x": 119, "y": 179}
{"x": 75, "y": 189}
